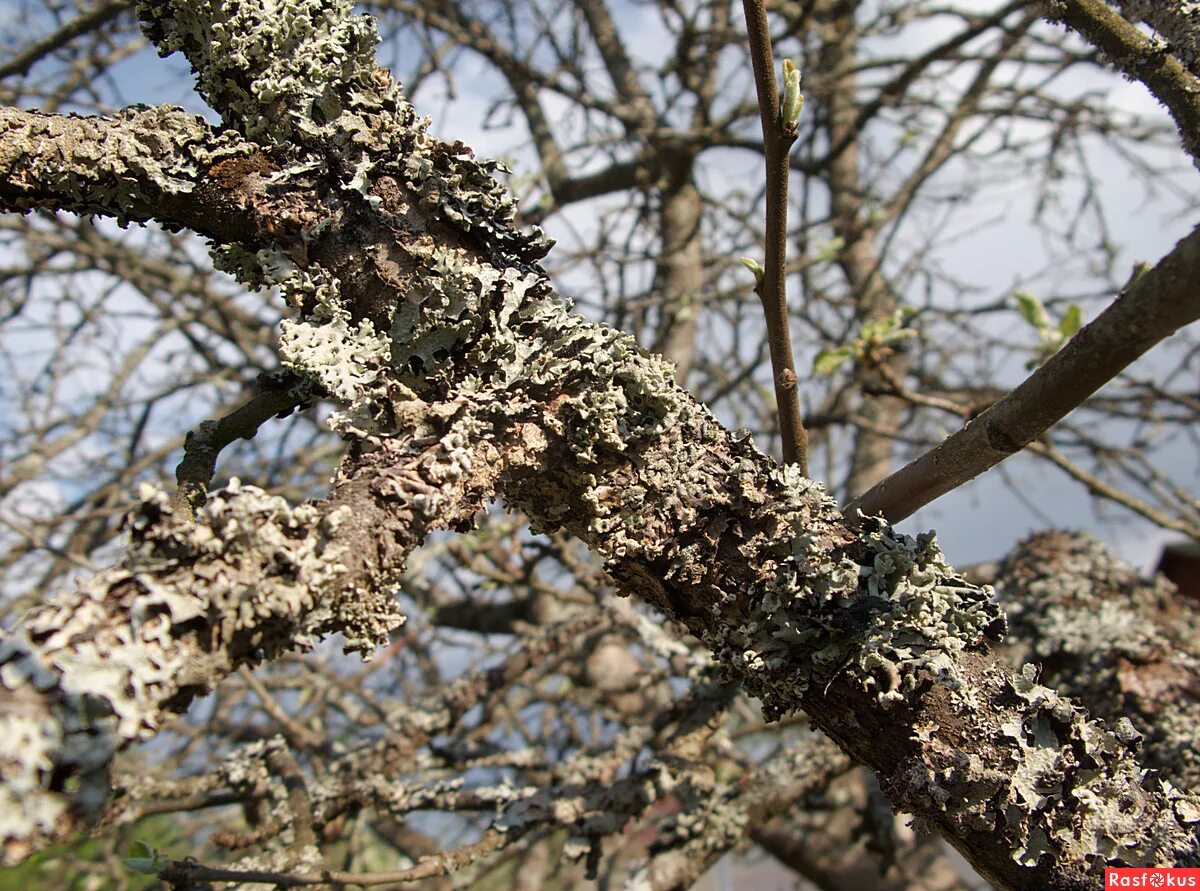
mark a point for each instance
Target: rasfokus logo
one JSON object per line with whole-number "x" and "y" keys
{"x": 1151, "y": 877}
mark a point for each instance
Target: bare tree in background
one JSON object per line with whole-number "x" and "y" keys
{"x": 520, "y": 725}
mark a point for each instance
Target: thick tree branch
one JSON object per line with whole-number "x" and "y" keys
{"x": 143, "y": 164}
{"x": 414, "y": 288}
{"x": 1151, "y": 308}
{"x": 1125, "y": 646}
{"x": 1139, "y": 58}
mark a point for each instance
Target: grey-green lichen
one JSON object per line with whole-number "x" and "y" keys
{"x": 107, "y": 664}
{"x": 1124, "y": 646}
{"x": 878, "y": 611}
{"x": 753, "y": 558}
{"x": 300, "y": 78}
{"x": 272, "y": 70}
{"x": 126, "y": 165}
{"x": 913, "y": 617}
{"x": 302, "y": 75}
{"x": 1055, "y": 783}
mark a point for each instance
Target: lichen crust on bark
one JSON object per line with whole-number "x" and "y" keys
{"x": 127, "y": 650}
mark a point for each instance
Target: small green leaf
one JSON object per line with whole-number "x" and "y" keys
{"x": 1071, "y": 322}
{"x": 897, "y": 336}
{"x": 1032, "y": 310}
{"x": 829, "y": 250}
{"x": 873, "y": 328}
{"x": 142, "y": 865}
{"x": 755, "y": 267}
{"x": 793, "y": 99}
{"x": 828, "y": 361}
{"x": 150, "y": 864}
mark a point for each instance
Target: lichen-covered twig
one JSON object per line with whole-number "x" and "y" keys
{"x": 106, "y": 665}
{"x": 1151, "y": 308}
{"x": 704, "y": 832}
{"x": 771, "y": 284}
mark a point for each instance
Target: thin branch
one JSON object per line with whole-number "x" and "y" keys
{"x": 96, "y": 18}
{"x": 279, "y": 396}
{"x": 186, "y": 873}
{"x": 1150, "y": 309}
{"x": 1101, "y": 489}
{"x": 1177, "y": 22}
{"x": 772, "y": 286}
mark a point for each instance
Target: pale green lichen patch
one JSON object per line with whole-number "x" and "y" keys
{"x": 890, "y": 611}
{"x": 1077, "y": 784}
{"x": 441, "y": 312}
{"x": 344, "y": 358}
{"x": 303, "y": 74}
{"x": 1037, "y": 772}
{"x": 190, "y": 600}
{"x": 124, "y": 165}
{"x": 271, "y": 69}
{"x": 1120, "y": 644}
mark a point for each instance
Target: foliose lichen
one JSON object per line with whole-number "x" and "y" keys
{"x": 1124, "y": 646}
{"x": 303, "y": 75}
{"x": 107, "y": 664}
{"x": 122, "y": 165}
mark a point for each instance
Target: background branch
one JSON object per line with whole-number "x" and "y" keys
{"x": 1153, "y": 307}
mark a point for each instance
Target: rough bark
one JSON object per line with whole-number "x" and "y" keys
{"x": 1178, "y": 21}
{"x": 1124, "y": 646}
{"x": 1165, "y": 69}
{"x": 109, "y": 663}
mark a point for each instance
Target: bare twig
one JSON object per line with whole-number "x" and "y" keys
{"x": 1151, "y": 308}
{"x": 1101, "y": 489}
{"x": 771, "y": 287}
{"x": 95, "y": 18}
{"x": 278, "y": 397}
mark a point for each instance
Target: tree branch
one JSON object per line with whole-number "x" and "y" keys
{"x": 279, "y": 395}
{"x": 1178, "y": 22}
{"x": 101, "y": 14}
{"x": 1139, "y": 58}
{"x": 104, "y": 666}
{"x": 1151, "y": 308}
{"x": 412, "y": 285}
{"x": 772, "y": 285}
